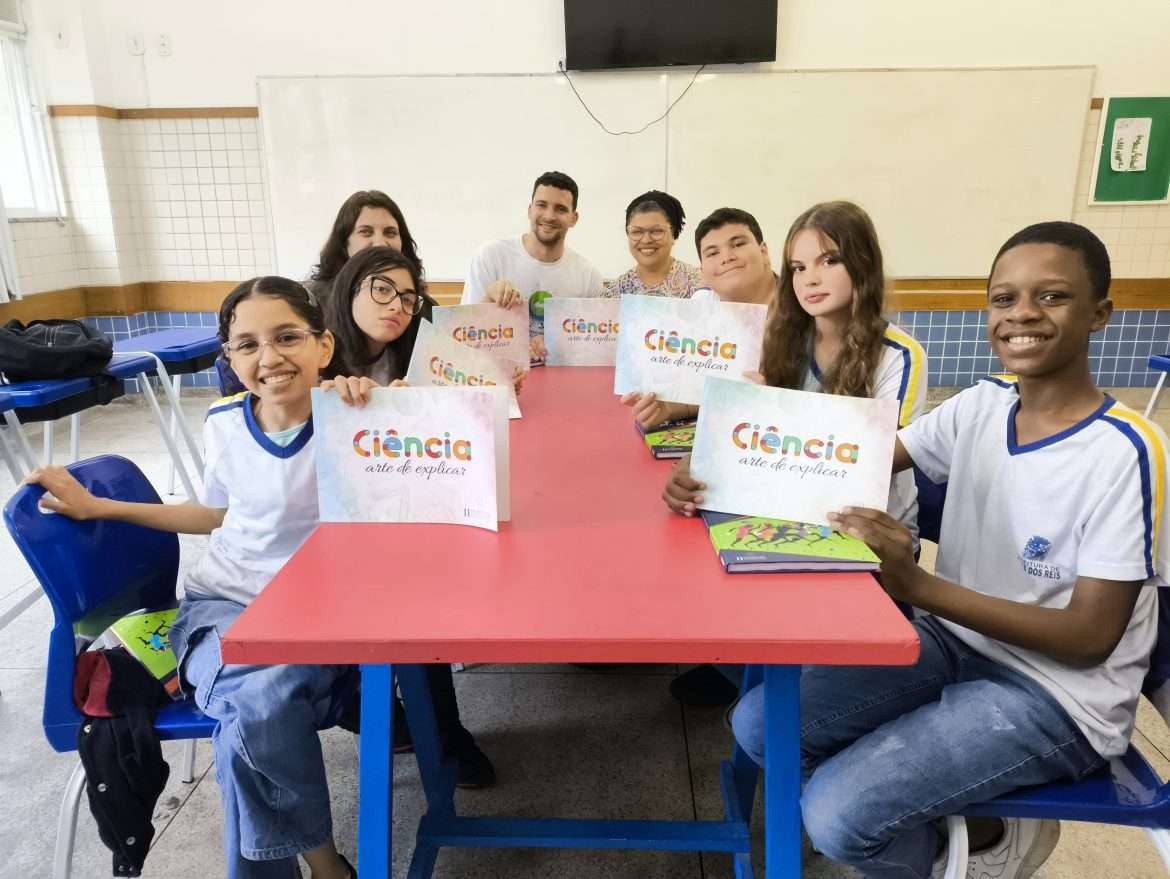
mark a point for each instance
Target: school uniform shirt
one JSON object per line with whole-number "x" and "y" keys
{"x": 270, "y": 492}
{"x": 506, "y": 260}
{"x": 1023, "y": 522}
{"x": 680, "y": 282}
{"x": 900, "y": 375}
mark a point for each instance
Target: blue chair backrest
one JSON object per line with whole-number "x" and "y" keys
{"x": 92, "y": 572}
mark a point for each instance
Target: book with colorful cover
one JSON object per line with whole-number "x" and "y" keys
{"x": 671, "y": 440}
{"x": 755, "y": 545}
{"x": 146, "y": 637}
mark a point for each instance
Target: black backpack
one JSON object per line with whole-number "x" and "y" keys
{"x": 52, "y": 349}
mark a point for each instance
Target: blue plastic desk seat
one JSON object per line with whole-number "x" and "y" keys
{"x": 1126, "y": 791}
{"x": 182, "y": 350}
{"x": 1160, "y": 361}
{"x": 50, "y": 399}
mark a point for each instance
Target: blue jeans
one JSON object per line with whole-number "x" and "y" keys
{"x": 267, "y": 754}
{"x": 887, "y": 750}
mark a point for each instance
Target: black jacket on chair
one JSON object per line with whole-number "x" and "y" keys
{"x": 124, "y": 768}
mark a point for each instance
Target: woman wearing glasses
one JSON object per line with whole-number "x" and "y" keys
{"x": 373, "y": 312}
{"x": 653, "y": 222}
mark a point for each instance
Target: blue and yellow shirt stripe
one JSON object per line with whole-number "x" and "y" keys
{"x": 913, "y": 368}
{"x": 1149, "y": 444}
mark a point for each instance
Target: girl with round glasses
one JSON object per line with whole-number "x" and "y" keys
{"x": 653, "y": 222}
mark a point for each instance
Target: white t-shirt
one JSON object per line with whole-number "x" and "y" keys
{"x": 270, "y": 493}
{"x": 506, "y": 260}
{"x": 900, "y": 375}
{"x": 1024, "y": 522}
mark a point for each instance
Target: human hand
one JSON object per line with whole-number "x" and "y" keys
{"x": 352, "y": 390}
{"x": 649, "y": 411}
{"x": 891, "y": 542}
{"x": 679, "y": 493}
{"x": 519, "y": 373}
{"x": 64, "y": 494}
{"x": 398, "y": 383}
{"x": 756, "y": 378}
{"x": 503, "y": 294}
{"x": 536, "y": 348}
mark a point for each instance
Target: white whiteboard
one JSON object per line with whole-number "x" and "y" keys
{"x": 948, "y": 162}
{"x": 458, "y": 154}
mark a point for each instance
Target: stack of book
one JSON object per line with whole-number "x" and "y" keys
{"x": 671, "y": 440}
{"x": 753, "y": 545}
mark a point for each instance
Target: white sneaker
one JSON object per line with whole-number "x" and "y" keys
{"x": 1026, "y": 844}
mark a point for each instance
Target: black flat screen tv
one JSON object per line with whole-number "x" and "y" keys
{"x": 603, "y": 34}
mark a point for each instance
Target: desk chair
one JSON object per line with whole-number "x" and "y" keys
{"x": 1126, "y": 791}
{"x": 94, "y": 573}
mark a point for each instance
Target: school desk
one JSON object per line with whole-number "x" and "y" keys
{"x": 592, "y": 568}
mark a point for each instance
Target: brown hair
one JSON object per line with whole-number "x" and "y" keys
{"x": 789, "y": 335}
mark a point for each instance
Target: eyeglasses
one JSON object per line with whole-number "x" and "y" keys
{"x": 286, "y": 342}
{"x": 384, "y": 291}
{"x": 655, "y": 234}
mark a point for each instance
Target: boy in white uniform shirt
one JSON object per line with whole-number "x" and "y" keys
{"x": 1041, "y": 616}
{"x": 528, "y": 269}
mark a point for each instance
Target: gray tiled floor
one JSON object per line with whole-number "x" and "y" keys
{"x": 565, "y": 741}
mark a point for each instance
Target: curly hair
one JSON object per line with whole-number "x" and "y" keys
{"x": 788, "y": 339}
{"x": 333, "y": 253}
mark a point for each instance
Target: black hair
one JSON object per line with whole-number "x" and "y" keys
{"x": 333, "y": 253}
{"x": 351, "y": 354}
{"x": 656, "y": 200}
{"x": 558, "y": 180}
{"x": 1073, "y": 236}
{"x": 717, "y": 219}
{"x": 300, "y": 300}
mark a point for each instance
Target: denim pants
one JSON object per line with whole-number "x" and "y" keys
{"x": 268, "y": 757}
{"x": 887, "y": 750}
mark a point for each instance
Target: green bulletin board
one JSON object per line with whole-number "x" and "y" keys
{"x": 1133, "y": 187}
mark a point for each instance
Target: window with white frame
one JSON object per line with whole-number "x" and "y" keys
{"x": 26, "y": 168}
{"x": 28, "y": 182}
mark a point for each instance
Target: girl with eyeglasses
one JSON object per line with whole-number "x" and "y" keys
{"x": 653, "y": 222}
{"x": 258, "y": 505}
{"x": 378, "y": 299}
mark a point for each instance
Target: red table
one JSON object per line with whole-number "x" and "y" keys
{"x": 592, "y": 568}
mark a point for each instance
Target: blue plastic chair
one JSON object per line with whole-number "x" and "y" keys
{"x": 1126, "y": 791}
{"x": 93, "y": 573}
{"x": 1160, "y": 362}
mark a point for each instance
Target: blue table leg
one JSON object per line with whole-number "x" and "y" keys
{"x": 437, "y": 772}
{"x": 376, "y": 772}
{"x": 782, "y": 771}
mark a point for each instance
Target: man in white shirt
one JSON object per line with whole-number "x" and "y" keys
{"x": 537, "y": 265}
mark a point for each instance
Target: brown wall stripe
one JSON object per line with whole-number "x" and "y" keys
{"x": 154, "y": 112}
{"x": 907, "y": 294}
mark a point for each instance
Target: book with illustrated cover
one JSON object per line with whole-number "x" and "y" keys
{"x": 753, "y": 544}
{"x": 671, "y": 440}
{"x": 146, "y": 637}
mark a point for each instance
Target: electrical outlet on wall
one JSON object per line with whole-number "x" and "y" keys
{"x": 164, "y": 45}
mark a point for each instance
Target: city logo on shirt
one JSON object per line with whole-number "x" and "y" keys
{"x": 770, "y": 442}
{"x": 1032, "y": 559}
{"x": 367, "y": 443}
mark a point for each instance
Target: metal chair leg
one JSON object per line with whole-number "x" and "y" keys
{"x": 1154, "y": 396}
{"x": 957, "y": 850}
{"x": 47, "y": 444}
{"x": 74, "y": 437}
{"x": 188, "y": 761}
{"x": 67, "y": 823}
{"x": 1161, "y": 840}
